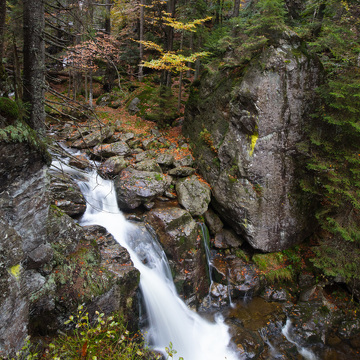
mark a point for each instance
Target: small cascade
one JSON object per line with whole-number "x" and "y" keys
{"x": 206, "y": 238}
{"x": 193, "y": 337}
{"x": 229, "y": 287}
{"x": 307, "y": 354}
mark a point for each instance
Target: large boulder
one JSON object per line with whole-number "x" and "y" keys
{"x": 179, "y": 235}
{"x": 193, "y": 195}
{"x": 245, "y": 124}
{"x": 94, "y": 138}
{"x": 134, "y": 187}
{"x": 119, "y": 148}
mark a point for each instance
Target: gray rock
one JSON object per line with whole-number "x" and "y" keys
{"x": 226, "y": 239}
{"x": 14, "y": 303}
{"x": 213, "y": 222}
{"x": 165, "y": 159}
{"x": 66, "y": 194}
{"x": 193, "y": 195}
{"x": 113, "y": 166}
{"x": 186, "y": 160}
{"x": 39, "y": 256}
{"x": 178, "y": 234}
{"x": 120, "y": 148}
{"x": 254, "y": 122}
{"x": 182, "y": 171}
{"x": 133, "y": 106}
{"x": 63, "y": 233}
{"x": 134, "y": 187}
{"x": 93, "y": 139}
{"x": 148, "y": 165}
{"x": 80, "y": 161}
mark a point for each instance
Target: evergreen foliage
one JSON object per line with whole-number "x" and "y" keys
{"x": 334, "y": 138}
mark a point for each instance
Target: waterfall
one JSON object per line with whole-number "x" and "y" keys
{"x": 206, "y": 239}
{"x": 193, "y": 337}
{"x": 307, "y": 354}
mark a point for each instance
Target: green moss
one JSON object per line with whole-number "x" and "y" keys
{"x": 8, "y": 109}
{"x": 20, "y": 132}
{"x": 274, "y": 267}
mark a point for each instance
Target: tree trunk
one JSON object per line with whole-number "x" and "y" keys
{"x": 91, "y": 90}
{"x": 107, "y": 17}
{"x": 141, "y": 38}
{"x": 17, "y": 73}
{"x": 2, "y": 33}
{"x": 236, "y": 8}
{"x": 34, "y": 62}
{"x": 169, "y": 40}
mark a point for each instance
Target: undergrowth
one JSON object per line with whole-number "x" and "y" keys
{"x": 104, "y": 338}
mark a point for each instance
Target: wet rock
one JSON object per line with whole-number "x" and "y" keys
{"x": 80, "y": 161}
{"x": 225, "y": 239}
{"x": 213, "y": 222}
{"x": 193, "y": 195}
{"x": 182, "y": 171}
{"x": 148, "y": 165}
{"x": 64, "y": 234}
{"x": 93, "y": 139}
{"x": 66, "y": 194}
{"x": 230, "y": 270}
{"x": 13, "y": 292}
{"x": 134, "y": 187}
{"x": 119, "y": 148}
{"x": 179, "y": 235}
{"x": 113, "y": 166}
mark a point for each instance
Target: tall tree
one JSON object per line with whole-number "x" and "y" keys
{"x": 34, "y": 62}
{"x": 2, "y": 33}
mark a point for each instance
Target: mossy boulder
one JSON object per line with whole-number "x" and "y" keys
{"x": 9, "y": 112}
{"x": 155, "y": 104}
{"x": 134, "y": 187}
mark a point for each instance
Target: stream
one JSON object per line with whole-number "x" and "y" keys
{"x": 169, "y": 319}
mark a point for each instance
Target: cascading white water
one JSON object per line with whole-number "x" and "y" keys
{"x": 169, "y": 319}
{"x": 307, "y": 354}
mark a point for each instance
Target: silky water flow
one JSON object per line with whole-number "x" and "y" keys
{"x": 193, "y": 337}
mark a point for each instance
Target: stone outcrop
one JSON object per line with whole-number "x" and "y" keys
{"x": 135, "y": 187}
{"x": 245, "y": 124}
{"x": 23, "y": 237}
{"x": 48, "y": 263}
{"x": 179, "y": 236}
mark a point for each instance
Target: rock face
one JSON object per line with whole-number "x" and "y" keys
{"x": 23, "y": 213}
{"x": 245, "y": 125}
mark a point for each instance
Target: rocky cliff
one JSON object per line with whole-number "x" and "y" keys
{"x": 48, "y": 263}
{"x": 245, "y": 124}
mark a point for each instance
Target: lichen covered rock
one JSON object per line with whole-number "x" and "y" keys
{"x": 134, "y": 187}
{"x": 245, "y": 124}
{"x": 193, "y": 195}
